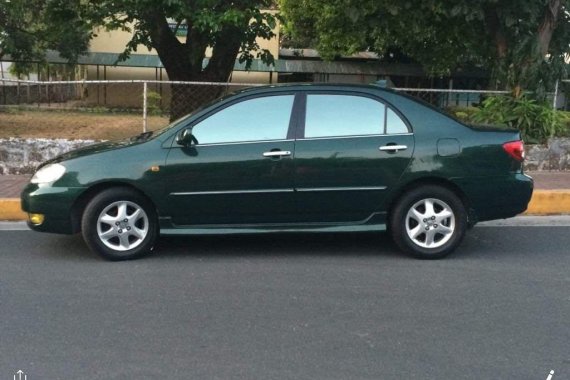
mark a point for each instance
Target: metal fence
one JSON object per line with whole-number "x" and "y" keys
{"x": 448, "y": 98}
{"x": 122, "y": 108}
{"x": 99, "y": 109}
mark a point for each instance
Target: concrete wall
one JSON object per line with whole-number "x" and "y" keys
{"x": 22, "y": 156}
{"x": 553, "y": 156}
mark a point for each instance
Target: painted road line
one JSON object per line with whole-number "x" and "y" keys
{"x": 530, "y": 221}
{"x": 13, "y": 226}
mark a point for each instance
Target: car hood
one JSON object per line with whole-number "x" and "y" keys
{"x": 94, "y": 149}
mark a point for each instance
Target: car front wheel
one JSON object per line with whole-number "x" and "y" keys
{"x": 120, "y": 224}
{"x": 428, "y": 222}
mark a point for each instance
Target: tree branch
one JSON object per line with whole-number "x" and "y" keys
{"x": 224, "y": 53}
{"x": 171, "y": 51}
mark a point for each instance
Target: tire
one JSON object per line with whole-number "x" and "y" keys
{"x": 120, "y": 224}
{"x": 424, "y": 234}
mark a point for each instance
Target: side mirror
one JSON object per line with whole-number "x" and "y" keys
{"x": 185, "y": 137}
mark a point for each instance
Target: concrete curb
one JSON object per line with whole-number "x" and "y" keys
{"x": 549, "y": 202}
{"x": 10, "y": 209}
{"x": 543, "y": 202}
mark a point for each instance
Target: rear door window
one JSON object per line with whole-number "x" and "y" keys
{"x": 343, "y": 115}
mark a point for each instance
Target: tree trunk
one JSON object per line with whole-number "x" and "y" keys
{"x": 548, "y": 25}
{"x": 188, "y": 98}
{"x": 183, "y": 62}
{"x": 494, "y": 29}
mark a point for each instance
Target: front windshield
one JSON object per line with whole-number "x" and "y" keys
{"x": 183, "y": 120}
{"x": 174, "y": 124}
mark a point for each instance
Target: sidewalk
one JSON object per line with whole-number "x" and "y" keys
{"x": 551, "y": 195}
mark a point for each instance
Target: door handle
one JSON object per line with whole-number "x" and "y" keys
{"x": 277, "y": 153}
{"x": 393, "y": 148}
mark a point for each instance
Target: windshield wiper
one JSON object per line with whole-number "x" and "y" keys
{"x": 142, "y": 136}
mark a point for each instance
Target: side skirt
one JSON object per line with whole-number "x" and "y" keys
{"x": 376, "y": 222}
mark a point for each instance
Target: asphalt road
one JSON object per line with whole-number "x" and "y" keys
{"x": 288, "y": 307}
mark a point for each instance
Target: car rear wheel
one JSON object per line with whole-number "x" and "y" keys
{"x": 428, "y": 222}
{"x": 120, "y": 224}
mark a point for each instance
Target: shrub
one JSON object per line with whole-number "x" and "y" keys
{"x": 153, "y": 103}
{"x": 465, "y": 114}
{"x": 565, "y": 124}
{"x": 536, "y": 121}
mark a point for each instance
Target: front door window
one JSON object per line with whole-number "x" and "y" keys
{"x": 258, "y": 119}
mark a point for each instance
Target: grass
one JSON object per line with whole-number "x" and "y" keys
{"x": 75, "y": 125}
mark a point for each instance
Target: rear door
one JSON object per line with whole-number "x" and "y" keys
{"x": 351, "y": 149}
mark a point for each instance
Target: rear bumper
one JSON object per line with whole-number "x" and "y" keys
{"x": 498, "y": 197}
{"x": 54, "y": 202}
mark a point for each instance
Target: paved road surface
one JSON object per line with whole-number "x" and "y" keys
{"x": 288, "y": 307}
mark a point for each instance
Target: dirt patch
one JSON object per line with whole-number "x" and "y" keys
{"x": 74, "y": 125}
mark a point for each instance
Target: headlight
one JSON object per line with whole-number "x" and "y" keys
{"x": 48, "y": 173}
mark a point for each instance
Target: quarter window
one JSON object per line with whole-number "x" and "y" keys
{"x": 257, "y": 119}
{"x": 343, "y": 115}
{"x": 394, "y": 123}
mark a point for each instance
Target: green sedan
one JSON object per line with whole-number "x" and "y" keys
{"x": 311, "y": 158}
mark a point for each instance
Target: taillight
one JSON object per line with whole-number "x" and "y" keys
{"x": 515, "y": 149}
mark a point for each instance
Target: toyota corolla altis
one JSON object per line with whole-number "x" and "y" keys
{"x": 287, "y": 158}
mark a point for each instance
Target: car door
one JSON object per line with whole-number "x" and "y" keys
{"x": 240, "y": 170}
{"x": 351, "y": 149}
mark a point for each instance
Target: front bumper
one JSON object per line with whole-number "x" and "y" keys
{"x": 56, "y": 203}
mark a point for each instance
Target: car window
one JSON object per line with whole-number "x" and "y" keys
{"x": 258, "y": 119}
{"x": 394, "y": 123}
{"x": 343, "y": 115}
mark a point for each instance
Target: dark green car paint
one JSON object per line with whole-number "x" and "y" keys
{"x": 327, "y": 184}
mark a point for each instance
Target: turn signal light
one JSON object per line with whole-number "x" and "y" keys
{"x": 36, "y": 219}
{"x": 515, "y": 149}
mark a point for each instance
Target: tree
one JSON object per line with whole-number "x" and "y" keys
{"x": 28, "y": 28}
{"x": 229, "y": 28}
{"x": 523, "y": 42}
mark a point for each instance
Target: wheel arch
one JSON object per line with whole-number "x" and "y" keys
{"x": 436, "y": 181}
{"x": 81, "y": 202}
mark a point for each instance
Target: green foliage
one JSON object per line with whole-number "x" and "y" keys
{"x": 565, "y": 132}
{"x": 523, "y": 42}
{"x": 464, "y": 114}
{"x": 536, "y": 121}
{"x": 209, "y": 23}
{"x": 29, "y": 27}
{"x": 153, "y": 100}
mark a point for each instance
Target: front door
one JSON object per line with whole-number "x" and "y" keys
{"x": 240, "y": 171}
{"x": 349, "y": 152}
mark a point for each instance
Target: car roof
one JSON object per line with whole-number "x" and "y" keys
{"x": 313, "y": 86}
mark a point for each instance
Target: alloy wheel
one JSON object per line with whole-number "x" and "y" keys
{"x": 122, "y": 225}
{"x": 430, "y": 223}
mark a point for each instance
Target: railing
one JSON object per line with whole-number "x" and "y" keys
{"x": 150, "y": 102}
{"x": 119, "y": 108}
{"x": 446, "y": 98}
